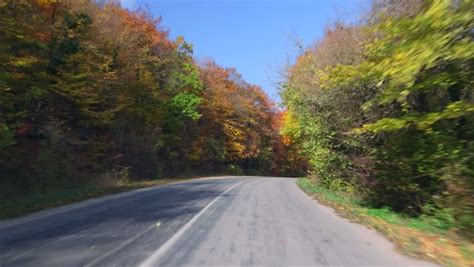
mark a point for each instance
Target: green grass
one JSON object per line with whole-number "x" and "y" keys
{"x": 431, "y": 238}
{"x": 421, "y": 223}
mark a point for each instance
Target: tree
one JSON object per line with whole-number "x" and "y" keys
{"x": 386, "y": 106}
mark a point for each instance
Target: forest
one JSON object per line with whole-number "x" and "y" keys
{"x": 97, "y": 94}
{"x": 384, "y": 109}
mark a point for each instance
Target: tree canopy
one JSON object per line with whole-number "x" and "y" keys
{"x": 385, "y": 107}
{"x": 90, "y": 92}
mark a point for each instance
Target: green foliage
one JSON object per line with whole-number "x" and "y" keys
{"x": 188, "y": 78}
{"x": 235, "y": 170}
{"x": 439, "y": 223}
{"x": 186, "y": 105}
{"x": 7, "y": 138}
{"x": 393, "y": 113}
{"x": 313, "y": 187}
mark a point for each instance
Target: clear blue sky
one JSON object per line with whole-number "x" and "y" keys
{"x": 256, "y": 37}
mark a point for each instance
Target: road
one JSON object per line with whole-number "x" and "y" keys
{"x": 245, "y": 221}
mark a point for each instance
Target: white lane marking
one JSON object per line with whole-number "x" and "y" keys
{"x": 168, "y": 244}
{"x": 118, "y": 248}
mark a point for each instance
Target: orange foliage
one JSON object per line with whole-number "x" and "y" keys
{"x": 146, "y": 26}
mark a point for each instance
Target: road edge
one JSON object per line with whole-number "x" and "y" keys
{"x": 84, "y": 203}
{"x": 430, "y": 249}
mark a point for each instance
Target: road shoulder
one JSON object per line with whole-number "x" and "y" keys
{"x": 438, "y": 247}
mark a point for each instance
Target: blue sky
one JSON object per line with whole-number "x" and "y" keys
{"x": 256, "y": 37}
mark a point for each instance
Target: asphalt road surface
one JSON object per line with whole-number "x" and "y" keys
{"x": 238, "y": 221}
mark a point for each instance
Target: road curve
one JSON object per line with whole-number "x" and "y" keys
{"x": 248, "y": 221}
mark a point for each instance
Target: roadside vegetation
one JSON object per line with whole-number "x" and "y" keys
{"x": 383, "y": 110}
{"x": 427, "y": 237}
{"x": 96, "y": 96}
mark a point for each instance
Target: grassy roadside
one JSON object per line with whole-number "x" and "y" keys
{"x": 32, "y": 203}
{"x": 419, "y": 237}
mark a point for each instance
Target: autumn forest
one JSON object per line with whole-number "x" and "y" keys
{"x": 105, "y": 94}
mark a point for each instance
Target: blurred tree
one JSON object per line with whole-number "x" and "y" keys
{"x": 386, "y": 106}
